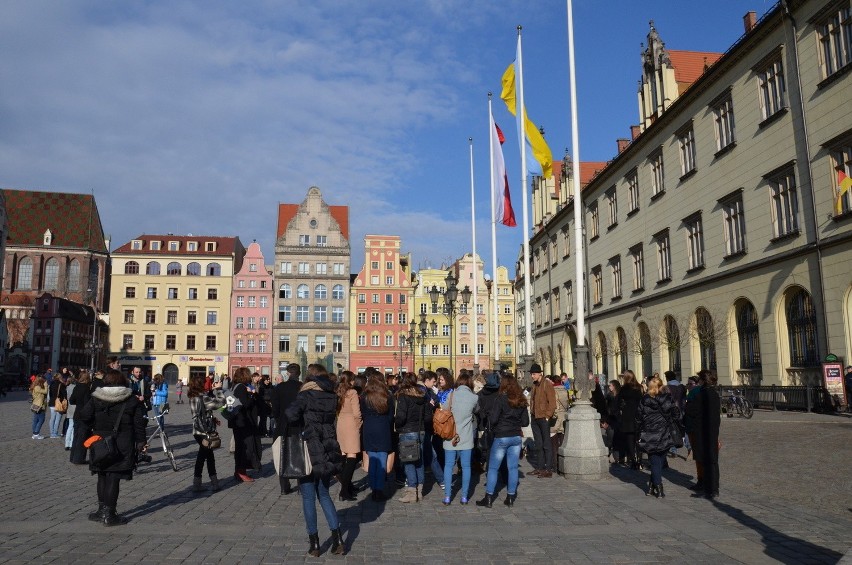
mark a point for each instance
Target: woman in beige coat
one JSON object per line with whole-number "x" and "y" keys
{"x": 349, "y": 428}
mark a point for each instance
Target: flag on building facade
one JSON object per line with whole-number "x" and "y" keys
{"x": 542, "y": 157}
{"x": 503, "y": 211}
{"x": 844, "y": 185}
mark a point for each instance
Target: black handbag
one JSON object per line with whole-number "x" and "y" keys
{"x": 104, "y": 452}
{"x": 295, "y": 458}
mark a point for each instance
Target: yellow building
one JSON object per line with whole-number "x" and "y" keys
{"x": 503, "y": 292}
{"x": 171, "y": 303}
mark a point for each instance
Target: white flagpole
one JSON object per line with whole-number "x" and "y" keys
{"x": 496, "y": 323}
{"x": 579, "y": 260}
{"x": 475, "y": 263}
{"x": 521, "y": 111}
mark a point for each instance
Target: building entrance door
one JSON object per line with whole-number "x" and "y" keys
{"x": 170, "y": 373}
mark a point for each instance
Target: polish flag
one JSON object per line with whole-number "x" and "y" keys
{"x": 502, "y": 199}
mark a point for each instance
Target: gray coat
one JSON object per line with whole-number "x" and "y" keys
{"x": 464, "y": 403}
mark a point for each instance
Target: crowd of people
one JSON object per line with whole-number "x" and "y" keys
{"x": 383, "y": 423}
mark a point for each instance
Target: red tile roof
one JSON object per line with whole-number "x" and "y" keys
{"x": 73, "y": 219}
{"x": 224, "y": 245}
{"x": 690, "y": 65}
{"x": 287, "y": 212}
{"x": 588, "y": 171}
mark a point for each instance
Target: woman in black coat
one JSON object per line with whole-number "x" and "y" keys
{"x": 282, "y": 396}
{"x": 244, "y": 426}
{"x": 705, "y": 429}
{"x": 653, "y": 418}
{"x": 314, "y": 412}
{"x": 413, "y": 416}
{"x": 79, "y": 398}
{"x": 113, "y": 400}
{"x": 628, "y": 402}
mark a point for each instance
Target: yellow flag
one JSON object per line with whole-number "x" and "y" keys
{"x": 539, "y": 146}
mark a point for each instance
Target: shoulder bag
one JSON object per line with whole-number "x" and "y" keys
{"x": 210, "y": 439}
{"x": 443, "y": 422}
{"x": 409, "y": 449}
{"x": 232, "y": 405}
{"x": 103, "y": 450}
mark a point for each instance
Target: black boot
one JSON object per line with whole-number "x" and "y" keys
{"x": 487, "y": 501}
{"x": 111, "y": 518}
{"x": 660, "y": 492}
{"x": 649, "y": 490}
{"x": 314, "y": 551}
{"x": 98, "y": 515}
{"x": 337, "y": 546}
{"x": 510, "y": 499}
{"x": 349, "y": 466}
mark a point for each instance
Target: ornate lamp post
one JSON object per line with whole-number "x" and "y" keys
{"x": 452, "y": 306}
{"x": 417, "y": 336}
{"x": 94, "y": 344}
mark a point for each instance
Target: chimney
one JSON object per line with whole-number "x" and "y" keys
{"x": 622, "y": 144}
{"x": 634, "y": 132}
{"x": 749, "y": 21}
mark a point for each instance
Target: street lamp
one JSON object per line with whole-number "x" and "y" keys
{"x": 452, "y": 307}
{"x": 94, "y": 345}
{"x": 417, "y": 335}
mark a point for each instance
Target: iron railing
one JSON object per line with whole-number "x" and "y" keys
{"x": 776, "y": 397}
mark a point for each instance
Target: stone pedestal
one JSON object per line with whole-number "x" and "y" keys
{"x": 583, "y": 454}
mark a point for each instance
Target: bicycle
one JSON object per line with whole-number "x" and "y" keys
{"x": 736, "y": 402}
{"x": 164, "y": 438}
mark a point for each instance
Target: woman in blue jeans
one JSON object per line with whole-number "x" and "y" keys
{"x": 507, "y": 416}
{"x": 377, "y": 409}
{"x": 159, "y": 397}
{"x": 413, "y": 416}
{"x": 38, "y": 390}
{"x": 461, "y": 401}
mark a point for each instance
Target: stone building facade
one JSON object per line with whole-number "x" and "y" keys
{"x": 251, "y": 315}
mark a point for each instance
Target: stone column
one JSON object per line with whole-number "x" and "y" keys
{"x": 582, "y": 454}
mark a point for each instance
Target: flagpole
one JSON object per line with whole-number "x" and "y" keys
{"x": 475, "y": 264}
{"x": 521, "y": 112}
{"x": 496, "y": 323}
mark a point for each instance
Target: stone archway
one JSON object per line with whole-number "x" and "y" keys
{"x": 171, "y": 373}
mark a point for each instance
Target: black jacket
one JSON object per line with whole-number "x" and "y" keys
{"x": 56, "y": 389}
{"x": 100, "y": 414}
{"x": 79, "y": 397}
{"x": 247, "y": 416}
{"x": 485, "y": 405}
{"x": 413, "y": 413}
{"x": 283, "y": 395}
{"x": 652, "y": 422}
{"x": 315, "y": 411}
{"x": 705, "y": 425}
{"x": 506, "y": 421}
{"x": 628, "y": 402}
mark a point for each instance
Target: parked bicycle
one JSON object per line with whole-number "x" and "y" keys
{"x": 736, "y": 403}
{"x": 145, "y": 457}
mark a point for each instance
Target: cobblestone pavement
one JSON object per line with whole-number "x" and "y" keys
{"x": 785, "y": 498}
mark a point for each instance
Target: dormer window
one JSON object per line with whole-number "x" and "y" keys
{"x": 154, "y": 245}
{"x": 48, "y": 237}
{"x": 174, "y": 245}
{"x": 210, "y": 246}
{"x": 192, "y": 246}
{"x": 136, "y": 245}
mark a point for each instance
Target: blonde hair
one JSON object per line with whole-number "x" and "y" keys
{"x": 655, "y": 385}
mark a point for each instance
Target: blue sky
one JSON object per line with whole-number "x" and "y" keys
{"x": 200, "y": 116}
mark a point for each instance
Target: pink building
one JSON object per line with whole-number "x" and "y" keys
{"x": 251, "y": 315}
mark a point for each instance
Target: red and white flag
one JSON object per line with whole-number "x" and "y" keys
{"x": 503, "y": 212}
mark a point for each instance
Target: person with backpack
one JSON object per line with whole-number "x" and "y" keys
{"x": 202, "y": 407}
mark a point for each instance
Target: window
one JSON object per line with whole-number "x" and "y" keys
{"x": 193, "y": 269}
{"x": 748, "y": 336}
{"x": 150, "y": 316}
{"x": 388, "y": 318}
{"x": 375, "y": 298}
{"x": 785, "y": 205}
{"x": 284, "y": 313}
{"x": 362, "y": 340}
{"x": 480, "y": 348}
{"x": 301, "y": 343}
{"x": 337, "y": 343}
{"x": 131, "y": 268}
{"x": 252, "y": 284}
{"x": 319, "y": 344}
{"x": 374, "y": 318}
{"x": 566, "y": 243}
{"x": 337, "y": 314}
{"x": 388, "y": 298}
{"x": 192, "y": 294}
{"x": 615, "y": 271}
{"x": 302, "y": 313}
{"x": 304, "y": 240}
{"x": 129, "y": 316}
{"x": 171, "y": 316}
{"x": 191, "y": 317}
{"x": 25, "y": 275}
{"x": 238, "y": 346}
{"x": 154, "y": 245}
{"x": 322, "y": 241}
{"x": 362, "y": 298}
{"x": 212, "y": 294}
{"x": 632, "y": 192}
{"x": 374, "y": 265}
{"x": 249, "y": 346}
{"x": 286, "y": 267}
{"x": 593, "y": 220}
{"x": 403, "y": 318}
{"x": 320, "y": 292}
{"x": 51, "y": 274}
{"x": 171, "y": 342}
{"x": 253, "y": 268}
{"x": 240, "y": 322}
{"x": 320, "y": 314}
{"x": 480, "y": 309}
{"x": 174, "y": 268}
{"x": 241, "y": 284}
{"x": 337, "y": 269}
{"x": 732, "y": 210}
{"x": 686, "y": 146}
{"x": 304, "y": 268}
{"x": 190, "y": 343}
{"x": 773, "y": 91}
{"x": 172, "y": 293}
{"x": 694, "y": 241}
{"x": 251, "y": 322}
{"x": 262, "y": 322}
{"x": 152, "y": 292}
{"x": 658, "y": 184}
{"x": 261, "y": 346}
{"x": 612, "y": 204}
{"x": 192, "y": 246}
{"x": 388, "y": 281}
{"x": 664, "y": 257}
{"x": 842, "y": 163}
{"x": 802, "y": 330}
{"x": 507, "y": 329}
{"x": 362, "y": 317}
{"x": 264, "y": 302}
{"x": 285, "y": 291}
{"x": 835, "y": 39}
{"x": 127, "y": 341}
{"x": 284, "y": 343}
{"x": 252, "y": 301}
{"x": 214, "y": 270}
{"x": 303, "y": 292}
{"x": 480, "y": 329}
{"x": 241, "y": 301}
{"x": 463, "y": 328}
{"x": 337, "y": 292}
{"x": 389, "y": 340}
{"x": 211, "y": 317}
{"x": 136, "y": 245}
{"x": 597, "y": 286}
{"x": 445, "y": 330}
{"x": 211, "y": 343}
{"x": 507, "y": 309}
{"x": 464, "y": 349}
{"x": 321, "y": 268}
{"x": 374, "y": 280}
{"x": 723, "y": 118}
{"x": 374, "y": 340}
{"x": 149, "y": 342}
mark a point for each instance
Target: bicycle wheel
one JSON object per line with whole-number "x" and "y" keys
{"x": 167, "y": 447}
{"x": 748, "y": 411}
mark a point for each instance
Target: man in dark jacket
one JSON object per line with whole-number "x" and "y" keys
{"x": 706, "y": 431}
{"x": 283, "y": 394}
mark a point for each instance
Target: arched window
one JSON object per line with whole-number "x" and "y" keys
{"x": 672, "y": 343}
{"x": 51, "y": 274}
{"x": 285, "y": 291}
{"x": 214, "y": 269}
{"x": 131, "y": 268}
{"x": 802, "y": 330}
{"x": 644, "y": 343}
{"x": 25, "y": 274}
{"x": 173, "y": 268}
{"x": 152, "y": 268}
{"x": 302, "y": 291}
{"x": 73, "y": 277}
{"x": 748, "y": 336}
{"x": 337, "y": 292}
{"x": 623, "y": 348}
{"x": 705, "y": 332}
{"x": 320, "y": 292}
{"x": 602, "y": 354}
{"x": 193, "y": 269}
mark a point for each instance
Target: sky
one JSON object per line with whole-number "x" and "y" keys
{"x": 200, "y": 117}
